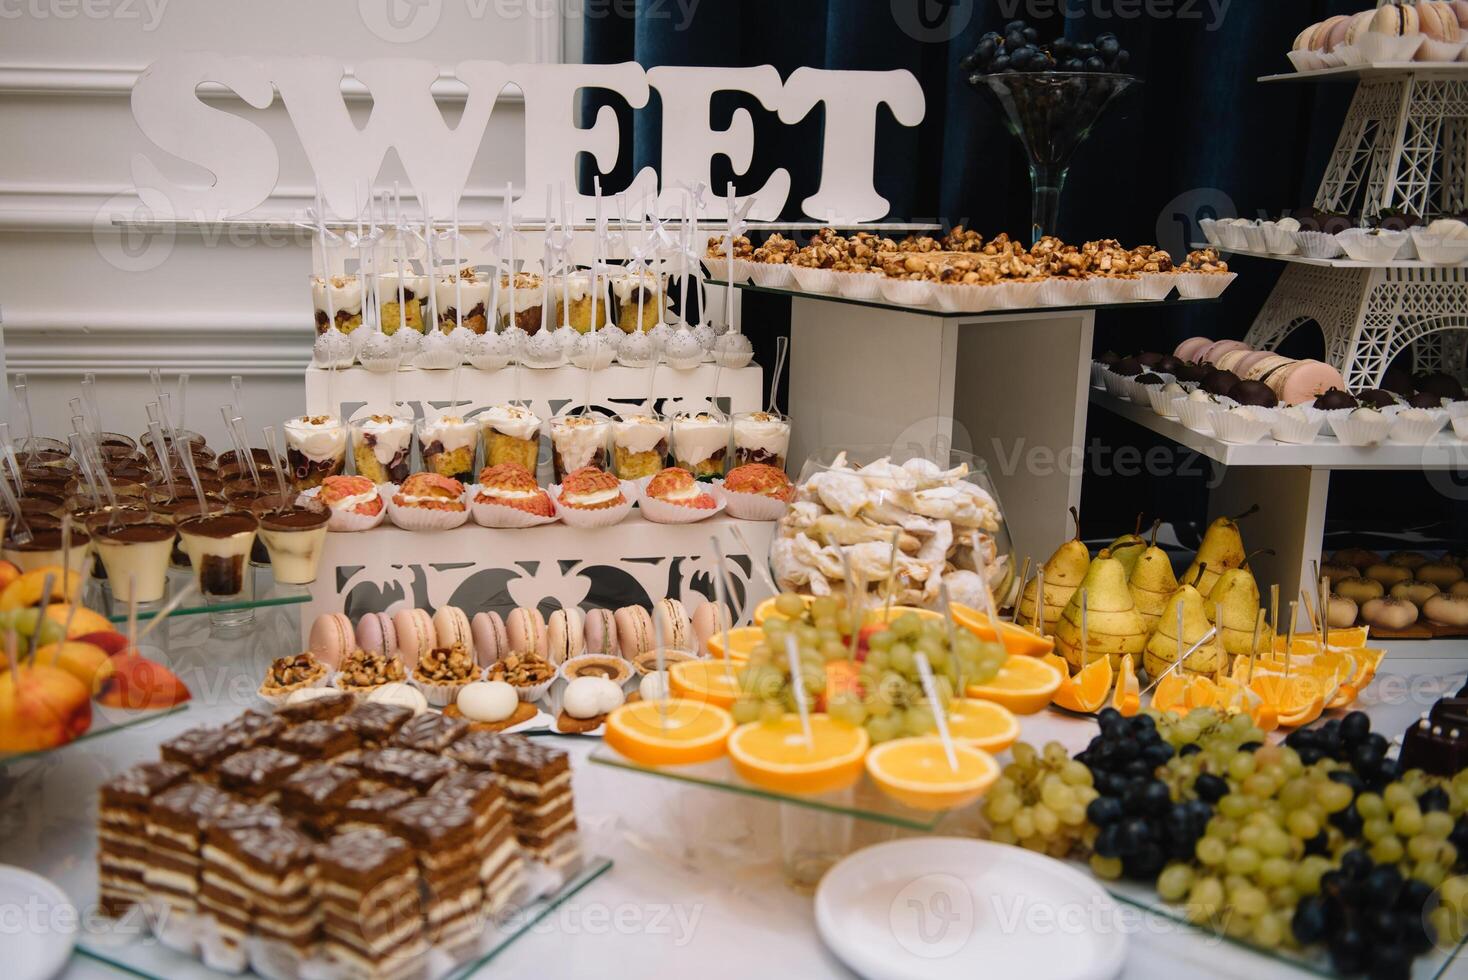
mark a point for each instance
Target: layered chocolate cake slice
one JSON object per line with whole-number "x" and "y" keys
{"x": 445, "y": 844}
{"x": 536, "y": 782}
{"x": 501, "y": 869}
{"x": 372, "y": 912}
{"x": 122, "y": 832}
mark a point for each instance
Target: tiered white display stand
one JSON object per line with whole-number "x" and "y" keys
{"x": 482, "y": 568}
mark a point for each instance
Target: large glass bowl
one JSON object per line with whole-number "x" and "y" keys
{"x": 941, "y": 507}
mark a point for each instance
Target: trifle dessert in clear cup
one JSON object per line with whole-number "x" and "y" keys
{"x": 577, "y": 296}
{"x": 761, "y": 437}
{"x": 93, "y": 517}
{"x": 578, "y": 441}
{"x": 382, "y": 447}
{"x": 511, "y": 435}
{"x": 244, "y": 495}
{"x": 701, "y": 443}
{"x": 338, "y": 302}
{"x": 136, "y": 558}
{"x": 639, "y": 445}
{"x": 315, "y": 448}
{"x": 218, "y": 545}
{"x": 401, "y": 294}
{"x": 232, "y": 467}
{"x": 294, "y": 538}
{"x": 172, "y": 510}
{"x": 44, "y": 548}
{"x": 462, "y": 291}
{"x": 449, "y": 443}
{"x": 523, "y": 306}
{"x": 637, "y": 295}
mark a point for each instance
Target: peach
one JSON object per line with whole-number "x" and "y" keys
{"x": 87, "y": 663}
{"x": 109, "y": 640}
{"x": 42, "y": 708}
{"x": 139, "y": 683}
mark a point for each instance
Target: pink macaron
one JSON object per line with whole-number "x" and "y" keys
{"x": 670, "y": 620}
{"x": 332, "y": 638}
{"x": 451, "y": 628}
{"x": 1189, "y": 349}
{"x": 1308, "y": 380}
{"x": 634, "y": 631}
{"x": 601, "y": 632}
{"x": 375, "y": 633}
{"x": 710, "y": 619}
{"x": 565, "y": 635}
{"x": 1220, "y": 348}
{"x": 491, "y": 640}
{"x": 415, "y": 635}
{"x": 526, "y": 628}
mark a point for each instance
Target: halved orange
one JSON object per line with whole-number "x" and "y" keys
{"x": 1351, "y": 638}
{"x": 689, "y": 731}
{"x": 704, "y": 680}
{"x": 1127, "y": 698}
{"x": 777, "y": 756}
{"x": 1017, "y": 640}
{"x": 1171, "y": 693}
{"x": 1086, "y": 691}
{"x": 1024, "y": 685}
{"x": 916, "y": 772}
{"x": 879, "y": 616}
{"x": 766, "y": 610}
{"x": 1297, "y": 700}
{"x": 982, "y": 724}
{"x": 742, "y": 639}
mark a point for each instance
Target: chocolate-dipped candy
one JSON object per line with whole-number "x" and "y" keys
{"x": 1398, "y": 382}
{"x": 1444, "y": 385}
{"x": 1167, "y": 364}
{"x": 1255, "y": 393}
{"x": 1376, "y": 398}
{"x": 1150, "y": 379}
{"x": 1193, "y": 372}
{"x": 1109, "y": 358}
{"x": 1128, "y": 367}
{"x": 1425, "y": 399}
{"x": 1150, "y": 358}
{"x": 1220, "y": 382}
{"x": 1335, "y": 398}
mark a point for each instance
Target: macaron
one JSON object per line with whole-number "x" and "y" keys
{"x": 1307, "y": 380}
{"x": 526, "y": 629}
{"x": 671, "y": 618}
{"x": 1189, "y": 349}
{"x": 1221, "y": 347}
{"x": 1261, "y": 369}
{"x": 1231, "y": 360}
{"x": 491, "y": 640}
{"x": 331, "y": 638}
{"x": 634, "y": 631}
{"x": 415, "y": 635}
{"x": 375, "y": 633}
{"x": 1245, "y": 363}
{"x": 564, "y": 635}
{"x": 451, "y": 628}
{"x": 601, "y": 632}
{"x": 709, "y": 619}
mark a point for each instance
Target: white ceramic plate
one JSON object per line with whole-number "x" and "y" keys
{"x": 948, "y": 907}
{"x": 40, "y": 950}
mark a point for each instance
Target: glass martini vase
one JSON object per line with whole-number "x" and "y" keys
{"x": 1051, "y": 113}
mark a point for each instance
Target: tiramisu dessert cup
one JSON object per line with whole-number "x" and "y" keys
{"x": 93, "y": 518}
{"x": 294, "y": 538}
{"x": 382, "y": 447}
{"x": 449, "y": 444}
{"x": 639, "y": 445}
{"x": 44, "y": 549}
{"x": 136, "y": 559}
{"x": 578, "y": 441}
{"x": 315, "y": 448}
{"x": 511, "y": 435}
{"x": 761, "y": 437}
{"x": 462, "y": 291}
{"x": 175, "y": 510}
{"x": 218, "y": 545}
{"x": 701, "y": 444}
{"x": 338, "y": 301}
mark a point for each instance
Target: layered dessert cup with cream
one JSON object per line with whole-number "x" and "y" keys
{"x": 630, "y": 290}
{"x": 136, "y": 559}
{"x": 93, "y": 518}
{"x": 382, "y": 448}
{"x": 524, "y": 307}
{"x": 761, "y": 437}
{"x": 639, "y": 445}
{"x": 315, "y": 448}
{"x": 462, "y": 291}
{"x": 577, "y": 295}
{"x": 578, "y": 441}
{"x": 400, "y": 296}
{"x": 176, "y": 510}
{"x": 449, "y": 443}
{"x": 294, "y": 538}
{"x": 218, "y": 546}
{"x": 338, "y": 303}
{"x": 511, "y": 435}
{"x": 44, "y": 549}
{"x": 701, "y": 444}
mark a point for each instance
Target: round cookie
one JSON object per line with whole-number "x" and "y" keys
{"x": 415, "y": 635}
{"x": 564, "y": 635}
{"x": 634, "y": 631}
{"x": 709, "y": 619}
{"x": 491, "y": 640}
{"x": 331, "y": 639}
{"x": 451, "y": 628}
{"x": 375, "y": 633}
{"x": 671, "y": 618}
{"x": 526, "y": 629}
{"x": 601, "y": 632}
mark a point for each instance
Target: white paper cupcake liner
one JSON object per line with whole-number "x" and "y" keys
{"x": 1231, "y": 236}
{"x": 1318, "y": 245}
{"x": 1116, "y": 385}
{"x": 1297, "y": 432}
{"x": 1059, "y": 291}
{"x": 1254, "y": 238}
{"x": 1417, "y": 432}
{"x": 958, "y": 298}
{"x": 1362, "y": 245}
{"x": 662, "y": 512}
{"x": 1306, "y": 60}
{"x": 742, "y": 268}
{"x": 440, "y": 695}
{"x": 864, "y": 286}
{"x": 1434, "y": 51}
{"x": 1358, "y": 431}
{"x": 1156, "y": 286}
{"x": 752, "y": 506}
{"x": 345, "y": 521}
{"x": 1373, "y": 47}
{"x": 771, "y": 275}
{"x": 1456, "y": 409}
{"x": 532, "y": 693}
{"x": 1196, "y": 415}
{"x": 1163, "y": 404}
{"x": 1239, "y": 429}
{"x": 599, "y": 517}
{"x": 1098, "y": 375}
{"x": 500, "y": 516}
{"x": 421, "y": 518}
{"x": 1209, "y": 227}
{"x": 1018, "y": 295}
{"x": 1204, "y": 285}
{"x": 908, "y": 292}
{"x": 1279, "y": 242}
{"x": 1460, "y": 427}
{"x": 821, "y": 281}
{"x": 276, "y": 700}
{"x": 1137, "y": 393}
{"x": 1437, "y": 250}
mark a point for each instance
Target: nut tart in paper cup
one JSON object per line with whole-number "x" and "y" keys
{"x": 440, "y": 694}
{"x": 1018, "y": 295}
{"x": 772, "y": 275}
{"x": 1204, "y": 285}
{"x": 1156, "y": 286}
{"x": 343, "y": 497}
{"x": 275, "y": 694}
{"x": 1065, "y": 291}
{"x": 742, "y": 268}
{"x": 427, "y": 502}
{"x": 593, "y": 498}
{"x": 706, "y": 501}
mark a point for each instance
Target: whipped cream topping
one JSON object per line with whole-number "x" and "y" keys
{"x": 451, "y": 430}
{"x": 762, "y": 431}
{"x": 597, "y": 497}
{"x": 388, "y": 284}
{"x": 511, "y": 493}
{"x": 640, "y": 433}
{"x": 689, "y": 492}
{"x": 512, "y": 421}
{"x": 355, "y": 500}
{"x": 529, "y": 293}
{"x": 390, "y": 435}
{"x": 316, "y": 437}
{"x": 697, "y": 437}
{"x": 346, "y": 293}
{"x": 577, "y": 439}
{"x": 413, "y": 500}
{"x": 622, "y": 286}
{"x": 448, "y": 290}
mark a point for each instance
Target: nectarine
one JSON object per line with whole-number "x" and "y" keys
{"x": 26, "y": 590}
{"x": 87, "y": 663}
{"x": 139, "y": 683}
{"x": 41, "y": 708}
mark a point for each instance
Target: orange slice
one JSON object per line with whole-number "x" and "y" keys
{"x": 1127, "y": 698}
{"x": 777, "y": 757}
{"x": 691, "y": 731}
{"x": 1086, "y": 691}
{"x": 1171, "y": 694}
{"x": 766, "y": 610}
{"x": 742, "y": 640}
{"x": 704, "y": 680}
{"x": 879, "y": 616}
{"x": 982, "y": 724}
{"x": 916, "y": 773}
{"x": 1017, "y": 640}
{"x": 1296, "y": 700}
{"x": 1024, "y": 685}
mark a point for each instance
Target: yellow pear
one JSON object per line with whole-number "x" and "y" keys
{"x": 1113, "y": 625}
{"x": 1222, "y": 548}
{"x": 1129, "y": 547}
{"x": 1151, "y": 582}
{"x": 1163, "y": 648}
{"x": 1233, "y": 606}
{"x": 1064, "y": 572}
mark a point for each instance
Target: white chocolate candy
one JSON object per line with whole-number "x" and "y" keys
{"x": 587, "y": 697}
{"x": 487, "y": 701}
{"x": 402, "y": 695}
